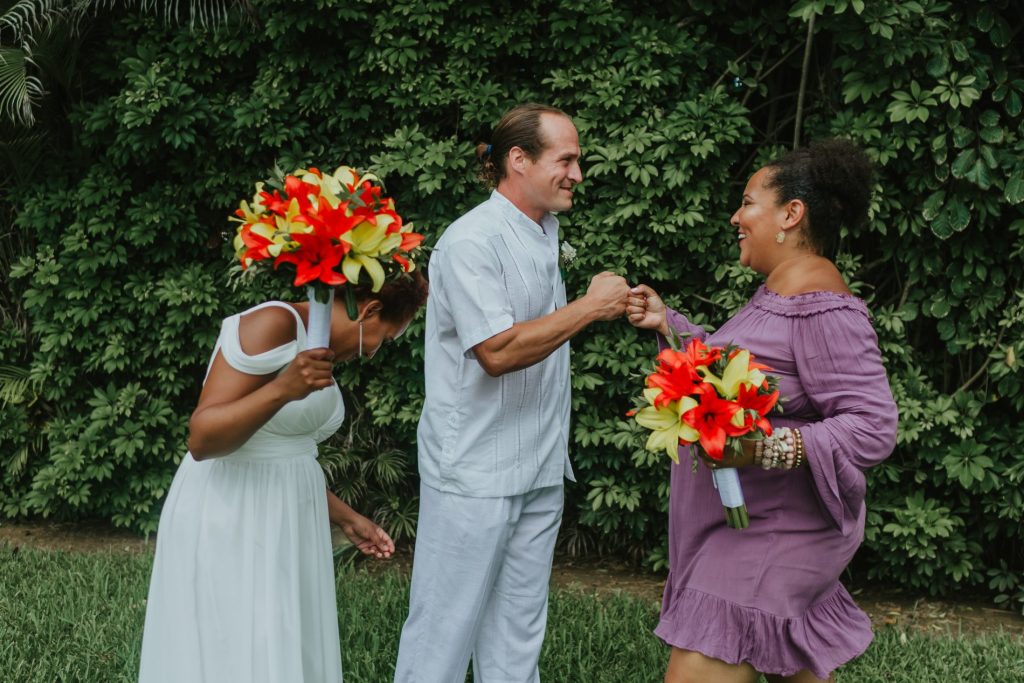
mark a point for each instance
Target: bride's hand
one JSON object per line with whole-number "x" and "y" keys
{"x": 368, "y": 537}
{"x": 309, "y": 371}
{"x": 646, "y": 310}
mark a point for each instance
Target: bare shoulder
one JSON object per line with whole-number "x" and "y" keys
{"x": 813, "y": 275}
{"x": 266, "y": 329}
{"x": 823, "y": 276}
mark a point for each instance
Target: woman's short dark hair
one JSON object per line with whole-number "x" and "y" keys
{"x": 833, "y": 179}
{"x": 519, "y": 127}
{"x": 400, "y": 298}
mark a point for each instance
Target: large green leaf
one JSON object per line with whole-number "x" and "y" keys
{"x": 1014, "y": 190}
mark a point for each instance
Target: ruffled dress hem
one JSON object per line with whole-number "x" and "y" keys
{"x": 832, "y": 632}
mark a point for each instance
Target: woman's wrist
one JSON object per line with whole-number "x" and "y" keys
{"x": 338, "y": 511}
{"x": 749, "y": 446}
{"x": 663, "y": 328}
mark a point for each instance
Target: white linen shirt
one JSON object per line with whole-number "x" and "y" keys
{"x": 478, "y": 435}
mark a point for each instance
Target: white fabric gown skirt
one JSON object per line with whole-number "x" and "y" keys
{"x": 243, "y": 580}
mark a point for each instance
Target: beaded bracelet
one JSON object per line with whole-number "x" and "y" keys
{"x": 774, "y": 446}
{"x": 784, "y": 449}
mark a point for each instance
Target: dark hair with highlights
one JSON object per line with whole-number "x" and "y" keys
{"x": 519, "y": 127}
{"x": 400, "y": 298}
{"x": 833, "y": 179}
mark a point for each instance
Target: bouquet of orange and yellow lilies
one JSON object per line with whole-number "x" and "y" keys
{"x": 709, "y": 397}
{"x": 332, "y": 227}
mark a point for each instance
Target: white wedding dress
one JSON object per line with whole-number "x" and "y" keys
{"x": 242, "y": 588}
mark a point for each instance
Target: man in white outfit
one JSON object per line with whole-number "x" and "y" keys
{"x": 493, "y": 436}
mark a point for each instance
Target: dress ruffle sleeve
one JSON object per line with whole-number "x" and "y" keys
{"x": 840, "y": 366}
{"x": 264, "y": 363}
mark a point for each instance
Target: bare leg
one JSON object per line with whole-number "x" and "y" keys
{"x": 804, "y": 676}
{"x": 685, "y": 666}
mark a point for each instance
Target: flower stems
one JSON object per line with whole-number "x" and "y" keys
{"x": 737, "y": 518}
{"x": 727, "y": 481}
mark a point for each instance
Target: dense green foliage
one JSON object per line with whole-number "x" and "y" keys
{"x": 78, "y": 617}
{"x": 124, "y": 279}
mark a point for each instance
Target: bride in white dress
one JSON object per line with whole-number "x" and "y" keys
{"x": 242, "y": 587}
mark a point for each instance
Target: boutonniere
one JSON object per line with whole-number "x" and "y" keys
{"x": 566, "y": 257}
{"x": 567, "y": 254}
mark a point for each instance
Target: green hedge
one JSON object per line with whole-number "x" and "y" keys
{"x": 127, "y": 278}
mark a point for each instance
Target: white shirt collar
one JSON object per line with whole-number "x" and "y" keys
{"x": 548, "y": 222}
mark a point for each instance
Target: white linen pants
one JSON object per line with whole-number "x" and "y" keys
{"x": 479, "y": 587}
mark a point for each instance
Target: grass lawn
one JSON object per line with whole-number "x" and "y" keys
{"x": 78, "y": 617}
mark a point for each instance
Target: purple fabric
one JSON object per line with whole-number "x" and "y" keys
{"x": 770, "y": 595}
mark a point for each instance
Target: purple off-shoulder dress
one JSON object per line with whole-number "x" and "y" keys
{"x": 770, "y": 595}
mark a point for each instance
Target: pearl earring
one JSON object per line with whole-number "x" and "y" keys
{"x": 780, "y": 237}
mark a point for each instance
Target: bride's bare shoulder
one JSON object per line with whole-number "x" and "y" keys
{"x": 265, "y": 329}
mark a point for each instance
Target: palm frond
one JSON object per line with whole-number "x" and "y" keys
{"x": 205, "y": 13}
{"x": 27, "y": 17}
{"x": 576, "y": 540}
{"x": 390, "y": 466}
{"x": 17, "y": 385}
{"x": 16, "y": 462}
{"x": 398, "y": 515}
{"x": 18, "y": 90}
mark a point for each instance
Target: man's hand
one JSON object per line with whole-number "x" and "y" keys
{"x": 607, "y": 295}
{"x": 646, "y": 310}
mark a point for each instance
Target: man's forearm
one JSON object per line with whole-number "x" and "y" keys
{"x": 528, "y": 343}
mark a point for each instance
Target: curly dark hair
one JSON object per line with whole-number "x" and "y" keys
{"x": 400, "y": 298}
{"x": 833, "y": 178}
{"x": 519, "y": 127}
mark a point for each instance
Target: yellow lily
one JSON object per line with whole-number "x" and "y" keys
{"x": 257, "y": 200}
{"x": 737, "y": 372}
{"x": 287, "y": 225}
{"x": 250, "y": 214}
{"x": 343, "y": 177}
{"x": 369, "y": 241}
{"x": 308, "y": 177}
{"x": 666, "y": 424}
{"x": 354, "y": 263}
{"x": 329, "y": 190}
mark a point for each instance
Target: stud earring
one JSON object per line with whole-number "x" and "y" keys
{"x": 360, "y": 339}
{"x": 780, "y": 237}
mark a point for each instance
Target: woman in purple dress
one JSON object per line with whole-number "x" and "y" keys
{"x": 768, "y": 599}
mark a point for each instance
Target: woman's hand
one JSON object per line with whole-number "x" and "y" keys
{"x": 646, "y": 310}
{"x": 729, "y": 459}
{"x": 310, "y": 371}
{"x": 368, "y": 537}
